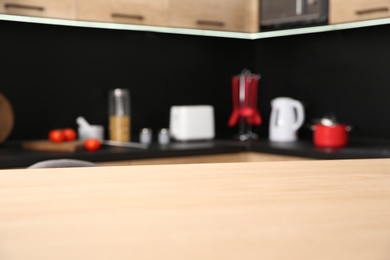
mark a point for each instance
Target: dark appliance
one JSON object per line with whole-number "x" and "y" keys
{"x": 283, "y": 14}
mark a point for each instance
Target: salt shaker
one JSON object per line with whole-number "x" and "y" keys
{"x": 163, "y": 136}
{"x": 119, "y": 115}
{"x": 145, "y": 136}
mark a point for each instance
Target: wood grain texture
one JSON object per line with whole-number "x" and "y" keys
{"x": 6, "y": 118}
{"x": 225, "y": 15}
{"x": 213, "y": 158}
{"x": 343, "y": 11}
{"x": 145, "y": 12}
{"x": 46, "y": 145}
{"x": 65, "y": 9}
{"x": 268, "y": 210}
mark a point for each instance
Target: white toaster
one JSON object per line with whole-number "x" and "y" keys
{"x": 192, "y": 122}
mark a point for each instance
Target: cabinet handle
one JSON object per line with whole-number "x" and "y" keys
{"x": 372, "y": 10}
{"x": 128, "y": 16}
{"x": 210, "y": 23}
{"x": 28, "y": 7}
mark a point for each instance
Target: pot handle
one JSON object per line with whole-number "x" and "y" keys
{"x": 300, "y": 114}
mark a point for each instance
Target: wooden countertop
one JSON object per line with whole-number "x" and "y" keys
{"x": 268, "y": 210}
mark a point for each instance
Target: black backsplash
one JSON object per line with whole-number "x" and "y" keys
{"x": 343, "y": 72}
{"x": 52, "y": 74}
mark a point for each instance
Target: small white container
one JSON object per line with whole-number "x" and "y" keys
{"x": 163, "y": 136}
{"x": 145, "y": 136}
{"x": 93, "y": 131}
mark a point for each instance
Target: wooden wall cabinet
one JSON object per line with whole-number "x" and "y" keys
{"x": 62, "y": 9}
{"x": 215, "y": 15}
{"x": 222, "y": 15}
{"x": 343, "y": 11}
{"x": 145, "y": 12}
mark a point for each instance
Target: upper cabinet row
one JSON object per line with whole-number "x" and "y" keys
{"x": 224, "y": 15}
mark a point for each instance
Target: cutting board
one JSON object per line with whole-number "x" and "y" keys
{"x": 6, "y": 118}
{"x": 47, "y": 145}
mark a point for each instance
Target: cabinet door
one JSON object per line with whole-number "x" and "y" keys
{"x": 226, "y": 15}
{"x": 146, "y": 12}
{"x": 63, "y": 9}
{"x": 341, "y": 11}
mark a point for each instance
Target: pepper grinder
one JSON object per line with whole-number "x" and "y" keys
{"x": 119, "y": 115}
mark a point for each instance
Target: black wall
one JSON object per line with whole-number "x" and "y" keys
{"x": 345, "y": 72}
{"x": 52, "y": 74}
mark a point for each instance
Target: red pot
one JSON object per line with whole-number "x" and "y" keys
{"x": 331, "y": 136}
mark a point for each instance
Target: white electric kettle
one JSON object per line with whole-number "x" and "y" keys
{"x": 287, "y": 117}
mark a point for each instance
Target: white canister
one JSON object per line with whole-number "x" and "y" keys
{"x": 287, "y": 116}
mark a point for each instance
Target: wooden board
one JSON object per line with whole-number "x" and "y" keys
{"x": 6, "y": 118}
{"x": 46, "y": 145}
{"x": 297, "y": 210}
{"x": 210, "y": 158}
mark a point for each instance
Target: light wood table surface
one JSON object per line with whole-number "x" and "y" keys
{"x": 269, "y": 210}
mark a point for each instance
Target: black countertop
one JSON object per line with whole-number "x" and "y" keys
{"x": 13, "y": 156}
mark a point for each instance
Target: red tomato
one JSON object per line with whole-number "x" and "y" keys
{"x": 56, "y": 136}
{"x": 92, "y": 144}
{"x": 69, "y": 134}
